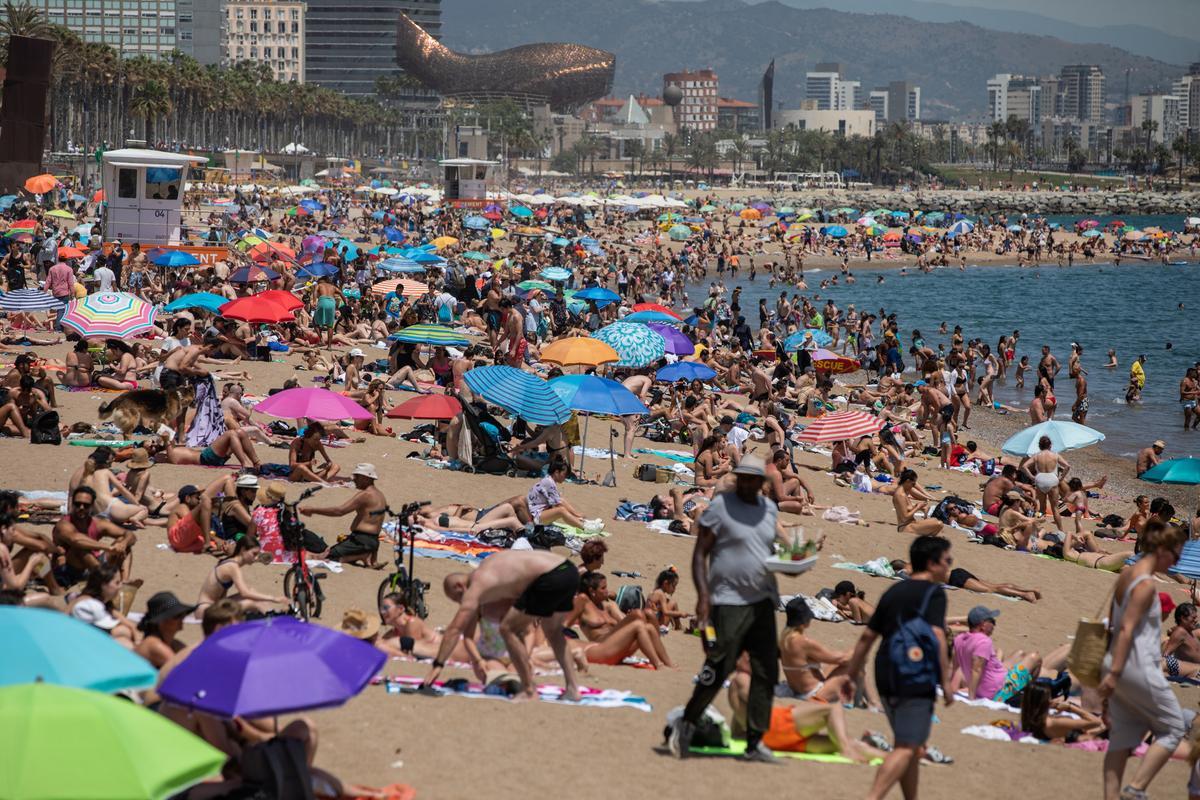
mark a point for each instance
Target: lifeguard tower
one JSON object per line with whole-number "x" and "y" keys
{"x": 143, "y": 190}
{"x": 465, "y": 181}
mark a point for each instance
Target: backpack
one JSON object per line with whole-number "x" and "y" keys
{"x": 543, "y": 537}
{"x": 913, "y": 650}
{"x": 44, "y": 429}
{"x": 630, "y": 598}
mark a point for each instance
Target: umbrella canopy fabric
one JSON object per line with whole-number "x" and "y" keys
{"x": 115, "y": 315}
{"x": 253, "y": 275}
{"x": 660, "y": 308}
{"x": 400, "y": 286}
{"x": 400, "y": 264}
{"x": 836, "y": 231}
{"x": 961, "y": 227}
{"x": 828, "y": 361}
{"x": 637, "y": 345}
{"x": 598, "y": 294}
{"x": 519, "y": 393}
{"x": 115, "y": 749}
{"x": 685, "y": 370}
{"x": 40, "y": 184}
{"x": 427, "y": 406}
{"x": 579, "y": 351}
{"x": 51, "y": 647}
{"x": 653, "y": 316}
{"x": 677, "y": 343}
{"x": 30, "y": 300}
{"x": 1188, "y": 564}
{"x": 318, "y": 270}
{"x": 556, "y": 274}
{"x": 841, "y": 425}
{"x": 679, "y": 232}
{"x": 796, "y": 340}
{"x": 256, "y": 308}
{"x": 1064, "y": 435}
{"x": 70, "y": 252}
{"x": 594, "y": 395}
{"x": 312, "y": 403}
{"x": 175, "y": 258}
{"x": 1185, "y": 471}
{"x": 239, "y": 670}
{"x": 438, "y": 335}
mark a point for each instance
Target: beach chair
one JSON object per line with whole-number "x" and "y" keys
{"x": 487, "y": 454}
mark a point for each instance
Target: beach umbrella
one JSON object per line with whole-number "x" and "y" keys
{"x": 560, "y": 241}
{"x": 114, "y": 748}
{"x": 1064, "y": 435}
{"x": 677, "y": 343}
{"x": 840, "y": 425}
{"x": 394, "y": 234}
{"x": 313, "y": 243}
{"x": 1192, "y": 221}
{"x": 272, "y": 666}
{"x": 836, "y": 231}
{"x": 1134, "y": 236}
{"x": 637, "y": 345}
{"x": 175, "y": 258}
{"x": 599, "y": 294}
{"x": 40, "y": 184}
{"x": 1092, "y": 233}
{"x": 475, "y": 255}
{"x": 312, "y": 403}
{"x": 685, "y": 370}
{"x": 556, "y": 274}
{"x": 520, "y": 393}
{"x": 427, "y": 406}
{"x": 652, "y": 316}
{"x": 529, "y": 286}
{"x": 796, "y": 340}
{"x": 24, "y": 225}
{"x": 476, "y": 223}
{"x": 520, "y": 211}
{"x": 437, "y": 335}
{"x": 60, "y": 213}
{"x": 659, "y": 307}
{"x": 311, "y": 205}
{"x": 750, "y": 213}
{"x": 444, "y": 241}
{"x": 933, "y": 217}
{"x": 1087, "y": 224}
{"x": 50, "y": 647}
{"x": 115, "y": 315}
{"x": 317, "y": 270}
{"x": 265, "y": 251}
{"x": 401, "y": 286}
{"x": 204, "y": 300}
{"x": 280, "y": 297}
{"x": 98, "y": 197}
{"x": 256, "y": 308}
{"x": 961, "y": 227}
{"x": 400, "y": 264}
{"x": 1178, "y": 470}
{"x": 828, "y": 361}
{"x": 427, "y": 258}
{"x": 679, "y": 232}
{"x": 29, "y": 300}
{"x": 736, "y": 207}
{"x": 579, "y": 351}
{"x": 591, "y": 394}
{"x": 1188, "y": 564}
{"x": 253, "y": 275}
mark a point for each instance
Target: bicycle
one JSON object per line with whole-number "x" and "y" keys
{"x": 300, "y": 585}
{"x": 403, "y": 581}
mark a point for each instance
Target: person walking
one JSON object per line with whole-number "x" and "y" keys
{"x": 1137, "y": 697}
{"x": 911, "y": 662}
{"x": 737, "y": 596}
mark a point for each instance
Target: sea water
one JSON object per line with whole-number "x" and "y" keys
{"x": 1133, "y": 309}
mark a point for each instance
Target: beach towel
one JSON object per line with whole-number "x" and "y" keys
{"x": 209, "y": 422}
{"x": 878, "y": 567}
{"x": 821, "y": 607}
{"x": 664, "y": 526}
{"x": 681, "y": 456}
{"x": 95, "y": 389}
{"x": 842, "y": 515}
{"x": 737, "y": 747}
{"x": 102, "y": 442}
{"x": 588, "y": 696}
{"x": 594, "y": 452}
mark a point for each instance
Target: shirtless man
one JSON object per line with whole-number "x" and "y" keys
{"x": 907, "y": 506}
{"x": 490, "y": 308}
{"x": 1079, "y": 409}
{"x": 325, "y": 300}
{"x": 785, "y": 487}
{"x": 516, "y": 586}
{"x": 182, "y": 365}
{"x": 82, "y": 535}
{"x": 236, "y": 443}
{"x": 998, "y": 485}
{"x": 369, "y": 506}
{"x": 302, "y": 457}
{"x": 1048, "y": 470}
{"x": 1150, "y": 457}
{"x": 1048, "y": 366}
{"x": 513, "y": 325}
{"x": 640, "y": 386}
{"x": 1189, "y": 397}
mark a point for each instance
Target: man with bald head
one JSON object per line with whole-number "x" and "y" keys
{"x": 515, "y": 587}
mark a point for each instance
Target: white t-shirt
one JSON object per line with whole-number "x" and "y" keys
{"x": 93, "y": 612}
{"x": 737, "y": 436}
{"x": 105, "y": 277}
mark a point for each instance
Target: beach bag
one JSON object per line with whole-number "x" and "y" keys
{"x": 1088, "y": 649}
{"x": 913, "y": 650}
{"x": 543, "y": 537}
{"x": 647, "y": 472}
{"x": 44, "y": 429}
{"x": 630, "y": 598}
{"x": 711, "y": 730}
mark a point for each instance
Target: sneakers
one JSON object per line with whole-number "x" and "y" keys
{"x": 935, "y": 756}
{"x": 1130, "y": 793}
{"x": 760, "y": 754}
{"x": 877, "y": 741}
{"x": 680, "y": 740}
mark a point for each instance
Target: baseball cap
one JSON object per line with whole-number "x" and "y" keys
{"x": 920, "y": 383}
{"x": 356, "y": 353}
{"x": 367, "y": 471}
{"x": 751, "y": 465}
{"x": 187, "y": 491}
{"x": 981, "y": 614}
{"x": 798, "y": 612}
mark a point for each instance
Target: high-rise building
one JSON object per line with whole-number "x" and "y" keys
{"x": 349, "y": 44}
{"x": 877, "y": 101}
{"x": 198, "y": 29}
{"x": 267, "y": 32}
{"x": 1016, "y": 96}
{"x": 766, "y": 96}
{"x": 1083, "y": 92}
{"x": 904, "y": 102}
{"x": 131, "y": 27}
{"x": 1161, "y": 111}
{"x": 1187, "y": 89}
{"x": 697, "y": 109}
{"x": 823, "y": 85}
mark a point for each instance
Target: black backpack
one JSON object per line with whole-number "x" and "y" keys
{"x": 44, "y": 429}
{"x": 543, "y": 537}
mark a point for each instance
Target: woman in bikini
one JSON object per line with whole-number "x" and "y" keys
{"x": 662, "y": 603}
{"x": 907, "y": 507}
{"x": 122, "y": 374}
{"x": 712, "y": 462}
{"x": 374, "y": 399}
{"x": 79, "y": 366}
{"x": 113, "y": 500}
{"x": 806, "y": 660}
{"x": 227, "y": 575}
{"x": 614, "y": 636}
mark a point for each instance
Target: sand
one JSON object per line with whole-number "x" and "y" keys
{"x": 456, "y": 748}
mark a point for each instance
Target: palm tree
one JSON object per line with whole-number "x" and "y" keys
{"x": 21, "y": 20}
{"x": 1181, "y": 148}
{"x": 670, "y": 146}
{"x": 1149, "y": 127}
{"x": 150, "y": 101}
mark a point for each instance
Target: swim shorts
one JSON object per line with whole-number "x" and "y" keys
{"x": 959, "y": 577}
{"x": 326, "y": 312}
{"x": 185, "y": 536}
{"x": 358, "y": 543}
{"x": 1014, "y": 682}
{"x": 782, "y": 735}
{"x": 550, "y": 592}
{"x": 209, "y": 458}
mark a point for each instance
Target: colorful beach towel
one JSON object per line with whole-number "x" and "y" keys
{"x": 680, "y": 456}
{"x": 589, "y": 697}
{"x": 737, "y": 747}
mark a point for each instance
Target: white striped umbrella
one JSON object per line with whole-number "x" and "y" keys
{"x": 839, "y": 425}
{"x": 29, "y": 300}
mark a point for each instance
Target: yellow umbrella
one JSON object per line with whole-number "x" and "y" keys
{"x": 580, "y": 351}
{"x": 60, "y": 213}
{"x": 444, "y": 241}
{"x": 499, "y": 233}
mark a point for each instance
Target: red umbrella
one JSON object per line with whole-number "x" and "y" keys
{"x": 841, "y": 425}
{"x": 256, "y": 309}
{"x": 656, "y": 307}
{"x": 98, "y": 197}
{"x": 494, "y": 216}
{"x": 827, "y": 361}
{"x": 282, "y": 298}
{"x": 427, "y": 406}
{"x": 24, "y": 223}
{"x": 70, "y": 252}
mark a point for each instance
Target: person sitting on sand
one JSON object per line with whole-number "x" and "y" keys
{"x": 189, "y": 525}
{"x": 546, "y": 505}
{"x": 1072, "y": 723}
{"x": 368, "y": 506}
{"x": 160, "y": 627}
{"x": 662, "y": 601}
{"x": 82, "y": 534}
{"x": 984, "y": 672}
{"x": 234, "y": 443}
{"x": 94, "y": 605}
{"x": 113, "y": 500}
{"x": 786, "y": 487}
{"x": 225, "y": 580}
{"x": 851, "y": 603}
{"x": 615, "y": 636}
{"x": 811, "y": 671}
{"x": 302, "y": 457}
{"x": 907, "y": 507}
{"x": 406, "y": 634}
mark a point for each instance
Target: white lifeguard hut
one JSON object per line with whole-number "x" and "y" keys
{"x": 143, "y": 190}
{"x": 465, "y": 181}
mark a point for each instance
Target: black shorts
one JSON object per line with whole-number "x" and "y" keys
{"x": 169, "y": 379}
{"x": 947, "y": 412}
{"x": 356, "y": 544}
{"x": 959, "y": 577}
{"x": 911, "y": 719}
{"x": 550, "y": 592}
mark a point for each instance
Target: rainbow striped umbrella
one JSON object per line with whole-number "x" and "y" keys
{"x": 437, "y": 335}
{"x": 109, "y": 315}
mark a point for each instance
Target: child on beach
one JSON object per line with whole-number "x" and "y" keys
{"x": 1022, "y": 368}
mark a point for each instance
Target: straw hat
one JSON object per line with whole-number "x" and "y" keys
{"x": 273, "y": 492}
{"x": 356, "y": 623}
{"x": 139, "y": 459}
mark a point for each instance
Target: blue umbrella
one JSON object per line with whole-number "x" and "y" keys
{"x": 796, "y": 340}
{"x": 6, "y": 201}
{"x": 1184, "y": 471}
{"x": 51, "y": 647}
{"x": 205, "y": 300}
{"x": 836, "y": 231}
{"x": 1064, "y": 435}
{"x": 679, "y": 232}
{"x": 519, "y": 393}
{"x": 476, "y": 223}
{"x": 1188, "y": 564}
{"x": 637, "y": 345}
{"x": 597, "y": 293}
{"x": 176, "y": 258}
{"x": 425, "y": 257}
{"x": 960, "y": 227}
{"x": 560, "y": 241}
{"x": 556, "y": 274}
{"x": 400, "y": 264}
{"x": 594, "y": 395}
{"x": 378, "y": 215}
{"x": 251, "y": 274}
{"x": 312, "y": 205}
{"x": 32, "y": 300}
{"x": 685, "y": 370}
{"x": 651, "y": 316}
{"x": 1092, "y": 233}
{"x": 317, "y": 270}
{"x": 394, "y": 234}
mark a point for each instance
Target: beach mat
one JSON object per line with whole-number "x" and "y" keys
{"x": 738, "y": 746}
{"x": 103, "y": 442}
{"x": 547, "y": 693}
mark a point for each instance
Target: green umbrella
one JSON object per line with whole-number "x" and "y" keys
{"x": 526, "y": 286}
{"x": 61, "y": 742}
{"x": 707, "y": 208}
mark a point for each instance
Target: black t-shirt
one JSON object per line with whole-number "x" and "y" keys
{"x": 898, "y": 604}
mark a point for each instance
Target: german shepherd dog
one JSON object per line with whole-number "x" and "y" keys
{"x": 149, "y": 408}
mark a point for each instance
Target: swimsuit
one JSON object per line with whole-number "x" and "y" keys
{"x": 356, "y": 544}
{"x": 209, "y": 458}
{"x": 324, "y": 316}
{"x": 1046, "y": 481}
{"x": 226, "y": 585}
{"x": 551, "y": 592}
{"x": 185, "y": 535}
{"x": 782, "y": 734}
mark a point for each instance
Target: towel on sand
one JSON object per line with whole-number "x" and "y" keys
{"x": 738, "y": 746}
{"x": 595, "y": 698}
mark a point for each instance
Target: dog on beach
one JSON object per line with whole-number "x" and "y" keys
{"x": 149, "y": 408}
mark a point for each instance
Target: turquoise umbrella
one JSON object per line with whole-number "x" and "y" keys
{"x": 1185, "y": 471}
{"x": 520, "y": 211}
{"x": 1064, "y": 435}
{"x": 556, "y": 274}
{"x": 51, "y": 647}
{"x": 475, "y": 255}
{"x": 679, "y": 232}
{"x": 520, "y": 393}
{"x": 637, "y": 345}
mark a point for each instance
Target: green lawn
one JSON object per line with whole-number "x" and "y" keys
{"x": 973, "y": 176}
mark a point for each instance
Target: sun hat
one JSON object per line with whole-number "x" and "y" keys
{"x": 1160, "y": 444}
{"x": 247, "y": 481}
{"x": 164, "y": 606}
{"x": 367, "y": 471}
{"x": 752, "y": 465}
{"x": 356, "y": 353}
{"x": 139, "y": 459}
{"x": 273, "y": 492}
{"x": 357, "y": 623}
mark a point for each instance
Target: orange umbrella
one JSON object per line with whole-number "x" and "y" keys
{"x": 750, "y": 213}
{"x": 891, "y": 236}
{"x": 40, "y": 184}
{"x": 581, "y": 351}
{"x": 269, "y": 251}
{"x": 98, "y": 197}
{"x": 70, "y": 252}
{"x": 401, "y": 286}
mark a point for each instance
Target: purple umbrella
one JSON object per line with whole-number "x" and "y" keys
{"x": 313, "y": 403}
{"x": 272, "y": 666}
{"x": 313, "y": 243}
{"x": 677, "y": 342}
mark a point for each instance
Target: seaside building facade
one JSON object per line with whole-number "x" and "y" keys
{"x": 841, "y": 122}
{"x": 697, "y": 110}
{"x": 198, "y": 29}
{"x": 1083, "y": 92}
{"x": 267, "y": 32}
{"x": 131, "y": 27}
{"x": 1161, "y": 111}
{"x": 738, "y": 115}
{"x": 349, "y": 44}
